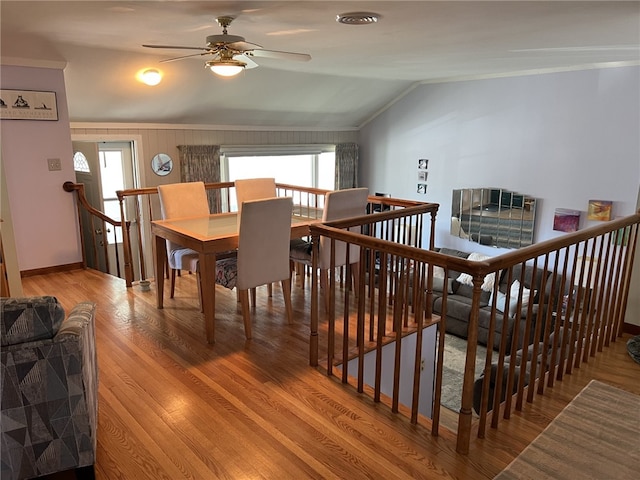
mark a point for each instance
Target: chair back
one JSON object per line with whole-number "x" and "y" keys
{"x": 254, "y": 189}
{"x": 263, "y": 244}
{"x": 182, "y": 200}
{"x": 340, "y": 204}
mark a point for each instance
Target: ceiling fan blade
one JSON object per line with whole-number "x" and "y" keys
{"x": 258, "y": 52}
{"x": 242, "y": 46}
{"x": 210, "y": 52}
{"x": 245, "y": 59}
{"x": 176, "y": 47}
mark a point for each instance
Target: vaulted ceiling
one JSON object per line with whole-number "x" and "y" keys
{"x": 354, "y": 72}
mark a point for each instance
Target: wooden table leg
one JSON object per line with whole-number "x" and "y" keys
{"x": 160, "y": 261}
{"x": 208, "y": 279}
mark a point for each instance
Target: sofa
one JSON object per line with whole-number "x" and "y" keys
{"x": 49, "y": 381}
{"x": 459, "y": 300}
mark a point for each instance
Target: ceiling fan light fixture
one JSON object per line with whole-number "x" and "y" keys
{"x": 226, "y": 68}
{"x": 151, "y": 77}
{"x": 357, "y": 18}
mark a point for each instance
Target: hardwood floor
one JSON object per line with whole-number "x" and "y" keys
{"x": 172, "y": 406}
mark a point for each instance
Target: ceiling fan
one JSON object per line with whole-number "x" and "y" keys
{"x": 231, "y": 53}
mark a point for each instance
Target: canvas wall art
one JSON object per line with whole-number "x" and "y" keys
{"x": 599, "y": 210}
{"x": 566, "y": 220}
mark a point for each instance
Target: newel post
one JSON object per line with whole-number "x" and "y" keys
{"x": 126, "y": 243}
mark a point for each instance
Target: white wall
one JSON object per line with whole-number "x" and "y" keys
{"x": 564, "y": 138}
{"x": 44, "y": 215}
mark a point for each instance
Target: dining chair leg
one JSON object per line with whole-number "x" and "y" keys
{"x": 253, "y": 297}
{"x": 292, "y": 268}
{"x": 246, "y": 316}
{"x": 286, "y": 292}
{"x": 270, "y": 289}
{"x": 301, "y": 271}
{"x": 355, "y": 268}
{"x": 173, "y": 283}
{"x": 199, "y": 282}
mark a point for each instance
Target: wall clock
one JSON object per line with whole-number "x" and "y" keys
{"x": 162, "y": 164}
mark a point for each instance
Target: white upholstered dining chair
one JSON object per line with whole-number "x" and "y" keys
{"x": 182, "y": 200}
{"x": 339, "y": 204}
{"x": 263, "y": 252}
{"x": 254, "y": 189}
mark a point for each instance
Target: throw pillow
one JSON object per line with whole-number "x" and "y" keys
{"x": 467, "y": 279}
{"x": 514, "y": 291}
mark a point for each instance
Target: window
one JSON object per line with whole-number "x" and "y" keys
{"x": 112, "y": 179}
{"x": 291, "y": 165}
{"x": 314, "y": 169}
{"x": 80, "y": 163}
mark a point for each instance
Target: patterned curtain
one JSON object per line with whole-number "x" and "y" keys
{"x": 201, "y": 163}
{"x": 346, "y": 165}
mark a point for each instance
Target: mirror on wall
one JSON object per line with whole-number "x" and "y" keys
{"x": 493, "y": 216}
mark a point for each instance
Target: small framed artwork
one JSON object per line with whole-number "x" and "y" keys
{"x": 422, "y": 175}
{"x": 565, "y": 220}
{"x": 28, "y": 105}
{"x": 422, "y": 188}
{"x": 423, "y": 164}
{"x": 599, "y": 210}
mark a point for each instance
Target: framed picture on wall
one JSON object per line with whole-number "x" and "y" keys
{"x": 566, "y": 220}
{"x": 599, "y": 210}
{"x": 28, "y": 105}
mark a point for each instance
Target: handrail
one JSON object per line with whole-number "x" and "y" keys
{"x": 580, "y": 310}
{"x": 93, "y": 212}
{"x": 314, "y": 197}
{"x": 79, "y": 188}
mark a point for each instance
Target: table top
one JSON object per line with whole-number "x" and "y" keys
{"x": 217, "y": 231}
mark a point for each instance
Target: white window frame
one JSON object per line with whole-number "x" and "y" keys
{"x": 272, "y": 151}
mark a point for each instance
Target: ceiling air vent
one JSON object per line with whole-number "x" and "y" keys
{"x": 357, "y": 18}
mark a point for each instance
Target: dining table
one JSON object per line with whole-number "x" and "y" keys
{"x": 210, "y": 235}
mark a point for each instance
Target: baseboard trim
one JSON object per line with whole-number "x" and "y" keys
{"x": 631, "y": 328}
{"x": 55, "y": 269}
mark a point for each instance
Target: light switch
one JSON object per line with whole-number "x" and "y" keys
{"x": 54, "y": 164}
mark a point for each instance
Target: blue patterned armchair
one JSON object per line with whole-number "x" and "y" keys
{"x": 49, "y": 389}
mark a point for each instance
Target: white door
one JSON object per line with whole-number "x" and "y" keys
{"x": 111, "y": 169}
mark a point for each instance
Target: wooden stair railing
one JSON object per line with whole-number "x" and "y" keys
{"x": 590, "y": 270}
{"x": 143, "y": 209}
{"x": 103, "y": 219}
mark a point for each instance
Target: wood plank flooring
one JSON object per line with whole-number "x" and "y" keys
{"x": 173, "y": 407}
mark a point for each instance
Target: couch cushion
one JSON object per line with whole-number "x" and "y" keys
{"x": 457, "y": 306}
{"x": 501, "y": 300}
{"x": 453, "y": 253}
{"x": 467, "y": 279}
{"x": 439, "y": 280}
{"x": 467, "y": 291}
{"x": 27, "y": 319}
{"x": 527, "y": 280}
